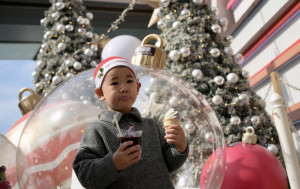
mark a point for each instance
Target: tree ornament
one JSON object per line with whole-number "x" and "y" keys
{"x": 235, "y": 120}
{"x": 81, "y": 31}
{"x": 165, "y": 3}
{"x": 223, "y": 22}
{"x": 44, "y": 46}
{"x": 197, "y": 73}
{"x": 40, "y": 64}
{"x": 262, "y": 103}
{"x": 80, "y": 20}
{"x": 88, "y": 52}
{"x": 219, "y": 80}
{"x": 173, "y": 101}
{"x": 184, "y": 51}
{"x": 59, "y": 5}
{"x": 273, "y": 148}
{"x": 47, "y": 34}
{"x": 89, "y": 34}
{"x": 255, "y": 120}
{"x": 174, "y": 55}
{"x": 69, "y": 27}
{"x": 77, "y": 66}
{"x": 60, "y": 27}
{"x": 61, "y": 46}
{"x": 89, "y": 15}
{"x": 154, "y": 96}
{"x": 86, "y": 21}
{"x": 216, "y": 28}
{"x": 93, "y": 63}
{"x": 33, "y": 73}
{"x": 243, "y": 99}
{"x": 69, "y": 75}
{"x": 217, "y": 100}
{"x": 189, "y": 127}
{"x": 46, "y": 76}
{"x": 229, "y": 39}
{"x": 185, "y": 13}
{"x": 160, "y": 25}
{"x": 228, "y": 51}
{"x": 239, "y": 58}
{"x": 37, "y": 85}
{"x": 94, "y": 47}
{"x": 56, "y": 80}
{"x": 176, "y": 24}
{"x": 232, "y": 78}
{"x": 69, "y": 62}
{"x": 215, "y": 11}
{"x": 245, "y": 73}
{"x": 215, "y": 52}
{"x": 198, "y": 2}
{"x": 55, "y": 15}
{"x": 43, "y": 21}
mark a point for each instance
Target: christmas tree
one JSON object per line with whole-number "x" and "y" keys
{"x": 197, "y": 53}
{"x": 69, "y": 45}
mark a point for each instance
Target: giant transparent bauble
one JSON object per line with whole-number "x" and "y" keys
{"x": 8, "y": 158}
{"x": 53, "y": 132}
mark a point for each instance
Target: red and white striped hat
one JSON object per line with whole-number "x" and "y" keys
{"x": 109, "y": 63}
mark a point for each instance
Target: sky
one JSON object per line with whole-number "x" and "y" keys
{"x": 14, "y": 75}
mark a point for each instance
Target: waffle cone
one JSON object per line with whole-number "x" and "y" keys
{"x": 169, "y": 122}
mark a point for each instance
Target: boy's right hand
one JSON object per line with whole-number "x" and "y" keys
{"x": 125, "y": 157}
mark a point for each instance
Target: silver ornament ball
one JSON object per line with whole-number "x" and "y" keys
{"x": 160, "y": 25}
{"x": 77, "y": 66}
{"x": 89, "y": 15}
{"x": 245, "y": 73}
{"x": 197, "y": 73}
{"x": 176, "y": 24}
{"x": 255, "y": 120}
{"x": 93, "y": 63}
{"x": 239, "y": 58}
{"x": 235, "y": 120}
{"x": 69, "y": 62}
{"x": 219, "y": 80}
{"x": 185, "y": 13}
{"x": 229, "y": 38}
{"x": 228, "y": 50}
{"x": 94, "y": 47}
{"x": 69, "y": 27}
{"x": 165, "y": 3}
{"x": 61, "y": 46}
{"x": 232, "y": 78}
{"x": 89, "y": 34}
{"x": 217, "y": 100}
{"x": 60, "y": 27}
{"x": 174, "y": 55}
{"x": 215, "y": 52}
{"x": 185, "y": 51}
{"x": 198, "y": 2}
{"x": 216, "y": 28}
{"x": 56, "y": 80}
{"x": 223, "y": 22}
{"x": 88, "y": 52}
{"x": 273, "y": 148}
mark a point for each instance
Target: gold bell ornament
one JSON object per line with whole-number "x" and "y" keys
{"x": 150, "y": 55}
{"x": 29, "y": 102}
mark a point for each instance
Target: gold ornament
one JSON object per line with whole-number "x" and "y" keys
{"x": 29, "y": 102}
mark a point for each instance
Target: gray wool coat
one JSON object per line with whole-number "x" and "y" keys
{"x": 93, "y": 163}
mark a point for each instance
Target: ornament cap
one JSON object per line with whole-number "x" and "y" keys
{"x": 249, "y": 137}
{"x": 29, "y": 102}
{"x": 150, "y": 55}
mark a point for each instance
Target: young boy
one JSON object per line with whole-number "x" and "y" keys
{"x": 102, "y": 162}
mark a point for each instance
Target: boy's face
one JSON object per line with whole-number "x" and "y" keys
{"x": 119, "y": 89}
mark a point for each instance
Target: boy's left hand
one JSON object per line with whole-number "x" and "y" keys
{"x": 175, "y": 135}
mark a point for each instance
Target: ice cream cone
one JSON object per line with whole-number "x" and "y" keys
{"x": 169, "y": 122}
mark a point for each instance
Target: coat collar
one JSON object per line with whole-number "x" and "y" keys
{"x": 108, "y": 116}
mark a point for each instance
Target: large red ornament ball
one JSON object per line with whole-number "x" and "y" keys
{"x": 252, "y": 166}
